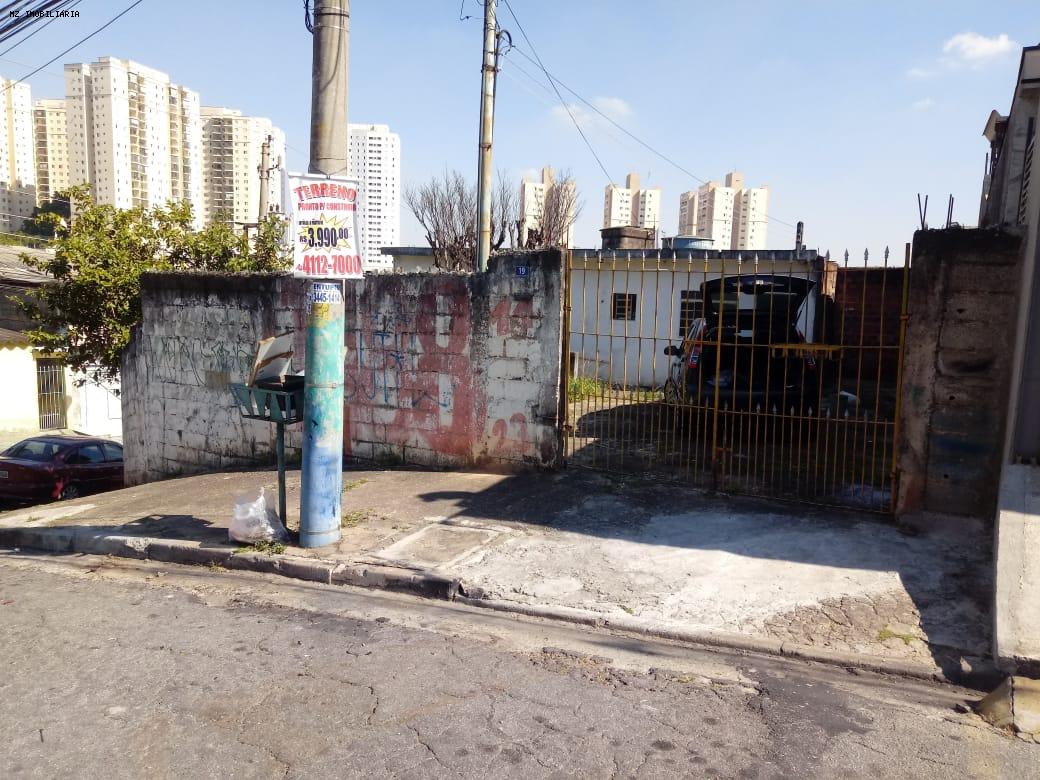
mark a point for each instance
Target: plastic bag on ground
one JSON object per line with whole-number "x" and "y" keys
{"x": 254, "y": 521}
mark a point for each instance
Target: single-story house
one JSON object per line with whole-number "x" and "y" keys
{"x": 40, "y": 394}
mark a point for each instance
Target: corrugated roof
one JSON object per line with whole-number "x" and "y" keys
{"x": 12, "y": 269}
{"x": 12, "y": 338}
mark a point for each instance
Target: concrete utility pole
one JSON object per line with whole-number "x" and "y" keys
{"x": 321, "y": 472}
{"x": 487, "y": 124}
{"x": 265, "y": 177}
{"x": 331, "y": 30}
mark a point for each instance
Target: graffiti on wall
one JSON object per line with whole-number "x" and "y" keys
{"x": 412, "y": 366}
{"x": 188, "y": 361}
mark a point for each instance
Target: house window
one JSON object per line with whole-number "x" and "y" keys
{"x": 624, "y": 306}
{"x": 691, "y": 306}
{"x": 50, "y": 393}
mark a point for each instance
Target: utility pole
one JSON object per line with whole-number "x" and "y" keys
{"x": 321, "y": 470}
{"x": 487, "y": 124}
{"x": 331, "y": 30}
{"x": 265, "y": 177}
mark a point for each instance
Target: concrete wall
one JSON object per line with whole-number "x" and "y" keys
{"x": 439, "y": 369}
{"x": 1016, "y": 634}
{"x": 964, "y": 288}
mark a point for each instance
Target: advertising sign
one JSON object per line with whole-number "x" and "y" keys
{"x": 323, "y": 226}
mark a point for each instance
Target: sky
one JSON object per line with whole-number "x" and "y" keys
{"x": 846, "y": 110}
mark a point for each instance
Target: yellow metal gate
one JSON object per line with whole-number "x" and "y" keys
{"x": 772, "y": 374}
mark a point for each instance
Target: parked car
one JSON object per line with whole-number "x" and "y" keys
{"x": 733, "y": 349}
{"x": 60, "y": 467}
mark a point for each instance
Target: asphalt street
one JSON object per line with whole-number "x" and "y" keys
{"x": 117, "y": 668}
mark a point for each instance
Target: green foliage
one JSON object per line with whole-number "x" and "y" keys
{"x": 581, "y": 387}
{"x": 265, "y": 546}
{"x": 49, "y": 217}
{"x": 86, "y": 315}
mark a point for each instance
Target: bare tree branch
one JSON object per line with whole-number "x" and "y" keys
{"x": 446, "y": 207}
{"x": 560, "y": 210}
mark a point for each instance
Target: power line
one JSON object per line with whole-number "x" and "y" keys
{"x": 557, "y": 91}
{"x": 38, "y": 29}
{"x": 554, "y": 80}
{"x": 16, "y": 17}
{"x": 81, "y": 41}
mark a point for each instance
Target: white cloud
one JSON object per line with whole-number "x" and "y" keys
{"x": 966, "y": 49}
{"x": 613, "y": 107}
{"x": 924, "y": 104}
{"x": 971, "y": 48}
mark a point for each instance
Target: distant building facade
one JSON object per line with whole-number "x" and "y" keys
{"x": 231, "y": 153}
{"x": 632, "y": 206}
{"x": 17, "y": 163}
{"x": 533, "y": 196}
{"x": 374, "y": 159}
{"x": 731, "y": 215}
{"x": 688, "y": 213}
{"x": 134, "y": 136}
{"x": 50, "y": 135}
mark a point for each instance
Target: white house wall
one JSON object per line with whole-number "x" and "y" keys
{"x": 631, "y": 352}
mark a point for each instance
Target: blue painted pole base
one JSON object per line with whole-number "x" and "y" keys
{"x": 321, "y": 472}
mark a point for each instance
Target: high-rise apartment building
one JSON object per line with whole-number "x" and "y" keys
{"x": 52, "y": 148}
{"x": 374, "y": 159}
{"x": 17, "y": 166}
{"x": 751, "y": 218}
{"x": 533, "y": 196}
{"x": 731, "y": 215}
{"x": 631, "y": 206}
{"x": 688, "y": 213}
{"x": 231, "y": 151}
{"x": 134, "y": 136}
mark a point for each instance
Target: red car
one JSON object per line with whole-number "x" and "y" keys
{"x": 48, "y": 467}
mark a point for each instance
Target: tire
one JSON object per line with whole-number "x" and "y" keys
{"x": 70, "y": 492}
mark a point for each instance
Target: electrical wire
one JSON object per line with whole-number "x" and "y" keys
{"x": 563, "y": 102}
{"x": 81, "y": 41}
{"x": 38, "y": 29}
{"x": 16, "y": 17}
{"x": 620, "y": 127}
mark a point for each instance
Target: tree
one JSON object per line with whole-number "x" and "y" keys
{"x": 446, "y": 207}
{"x": 560, "y": 210}
{"x": 49, "y": 215}
{"x": 86, "y": 314}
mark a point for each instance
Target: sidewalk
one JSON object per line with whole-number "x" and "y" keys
{"x": 628, "y": 553}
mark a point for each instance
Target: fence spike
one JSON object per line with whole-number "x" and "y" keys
{"x": 827, "y": 256}
{"x": 886, "y": 255}
{"x": 866, "y": 256}
{"x": 846, "y": 257}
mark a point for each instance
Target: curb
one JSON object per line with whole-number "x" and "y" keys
{"x": 721, "y": 640}
{"x": 93, "y": 542}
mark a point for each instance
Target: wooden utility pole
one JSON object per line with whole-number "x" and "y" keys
{"x": 487, "y": 123}
{"x": 331, "y": 32}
